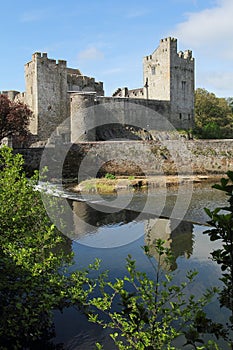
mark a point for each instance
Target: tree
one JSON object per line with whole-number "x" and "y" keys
{"x": 221, "y": 221}
{"x": 150, "y": 313}
{"x": 213, "y": 116}
{"x": 14, "y": 119}
{"x": 33, "y": 262}
{"x": 230, "y": 102}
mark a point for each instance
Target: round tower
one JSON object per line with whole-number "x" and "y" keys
{"x": 82, "y": 117}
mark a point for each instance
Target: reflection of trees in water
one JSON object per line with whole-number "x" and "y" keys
{"x": 178, "y": 236}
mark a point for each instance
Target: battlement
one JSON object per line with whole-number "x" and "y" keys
{"x": 54, "y": 91}
{"x": 187, "y": 55}
{"x": 11, "y": 94}
{"x": 148, "y": 58}
{"x": 44, "y": 56}
{"x": 168, "y": 45}
{"x": 168, "y": 39}
{"x": 165, "y": 45}
{"x": 61, "y": 62}
{"x": 73, "y": 71}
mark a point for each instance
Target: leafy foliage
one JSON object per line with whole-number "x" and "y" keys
{"x": 110, "y": 176}
{"x": 14, "y": 119}
{"x": 33, "y": 262}
{"x": 213, "y": 116}
{"x": 222, "y": 229}
{"x": 147, "y": 313}
{"x": 142, "y": 312}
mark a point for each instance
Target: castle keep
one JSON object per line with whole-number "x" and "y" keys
{"x": 56, "y": 93}
{"x": 168, "y": 75}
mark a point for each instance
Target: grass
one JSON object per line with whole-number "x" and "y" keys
{"x": 108, "y": 185}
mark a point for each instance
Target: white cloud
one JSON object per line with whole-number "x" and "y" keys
{"x": 206, "y": 27}
{"x": 209, "y": 33}
{"x": 217, "y": 81}
{"x": 91, "y": 53}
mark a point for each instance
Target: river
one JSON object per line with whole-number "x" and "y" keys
{"x": 112, "y": 226}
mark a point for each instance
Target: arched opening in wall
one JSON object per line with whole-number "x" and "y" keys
{"x": 121, "y": 168}
{"x": 180, "y": 116}
{"x": 117, "y": 131}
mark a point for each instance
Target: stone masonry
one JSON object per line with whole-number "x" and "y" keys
{"x": 60, "y": 96}
{"x": 150, "y": 158}
{"x": 168, "y": 75}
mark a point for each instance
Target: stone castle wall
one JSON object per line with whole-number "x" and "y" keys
{"x": 54, "y": 86}
{"x": 56, "y": 93}
{"x": 78, "y": 82}
{"x": 89, "y": 112}
{"x": 49, "y": 85}
{"x": 139, "y": 158}
{"x": 168, "y": 75}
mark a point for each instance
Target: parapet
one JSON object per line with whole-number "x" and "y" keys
{"x": 73, "y": 71}
{"x": 44, "y": 56}
{"x": 168, "y": 39}
{"x": 187, "y": 55}
{"x": 165, "y": 45}
{"x": 61, "y": 62}
{"x": 11, "y": 94}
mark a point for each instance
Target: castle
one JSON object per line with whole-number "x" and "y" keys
{"x": 55, "y": 93}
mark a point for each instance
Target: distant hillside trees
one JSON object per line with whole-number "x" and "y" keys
{"x": 213, "y": 115}
{"x": 14, "y": 120}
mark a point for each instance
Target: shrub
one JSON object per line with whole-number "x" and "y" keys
{"x": 110, "y": 176}
{"x": 146, "y": 313}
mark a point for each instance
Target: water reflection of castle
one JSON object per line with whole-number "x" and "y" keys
{"x": 178, "y": 235}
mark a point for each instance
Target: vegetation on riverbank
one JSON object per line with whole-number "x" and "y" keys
{"x": 213, "y": 116}
{"x": 34, "y": 257}
{"x": 109, "y": 184}
{"x": 106, "y": 185}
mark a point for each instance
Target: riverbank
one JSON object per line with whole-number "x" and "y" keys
{"x": 104, "y": 185}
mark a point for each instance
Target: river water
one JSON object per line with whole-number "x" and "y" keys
{"x": 112, "y": 226}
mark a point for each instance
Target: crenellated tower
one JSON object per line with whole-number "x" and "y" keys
{"x": 46, "y": 93}
{"x": 168, "y": 75}
{"x": 56, "y": 93}
{"x": 49, "y": 85}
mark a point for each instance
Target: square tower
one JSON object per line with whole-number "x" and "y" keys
{"x": 169, "y": 76}
{"x": 46, "y": 94}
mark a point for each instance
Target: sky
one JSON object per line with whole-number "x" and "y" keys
{"x": 107, "y": 40}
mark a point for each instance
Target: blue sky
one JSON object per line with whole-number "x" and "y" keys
{"x": 107, "y": 40}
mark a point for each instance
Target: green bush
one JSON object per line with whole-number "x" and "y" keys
{"x": 110, "y": 176}
{"x": 211, "y": 131}
{"x": 33, "y": 261}
{"x": 151, "y": 313}
{"x": 221, "y": 220}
